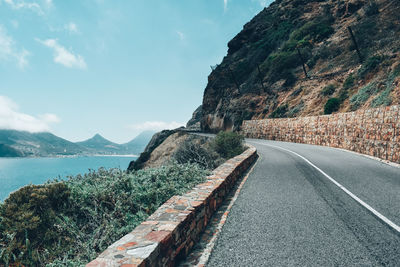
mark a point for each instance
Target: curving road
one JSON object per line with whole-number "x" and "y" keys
{"x": 289, "y": 212}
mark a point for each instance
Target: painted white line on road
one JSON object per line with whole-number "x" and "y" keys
{"x": 365, "y": 205}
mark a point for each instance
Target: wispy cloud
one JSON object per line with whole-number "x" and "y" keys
{"x": 263, "y": 3}
{"x": 21, "y": 4}
{"x": 63, "y": 56}
{"x": 225, "y": 5}
{"x": 71, "y": 28}
{"x": 9, "y": 52}
{"x": 12, "y": 118}
{"x": 181, "y": 35}
{"x": 155, "y": 125}
{"x": 48, "y": 3}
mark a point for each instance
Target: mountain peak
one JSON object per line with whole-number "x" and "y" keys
{"x": 96, "y": 140}
{"x": 98, "y": 136}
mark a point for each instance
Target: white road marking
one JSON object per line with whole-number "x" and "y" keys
{"x": 365, "y": 205}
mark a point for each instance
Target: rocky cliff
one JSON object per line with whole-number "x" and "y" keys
{"x": 307, "y": 57}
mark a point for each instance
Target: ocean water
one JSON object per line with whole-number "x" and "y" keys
{"x": 18, "y": 172}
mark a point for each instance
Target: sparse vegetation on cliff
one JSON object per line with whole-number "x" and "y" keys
{"x": 332, "y": 105}
{"x": 305, "y": 44}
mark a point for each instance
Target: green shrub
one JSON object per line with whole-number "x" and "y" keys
{"x": 328, "y": 90}
{"x": 316, "y": 30}
{"x": 228, "y": 144}
{"x": 372, "y": 63}
{"x": 28, "y": 217}
{"x": 69, "y": 223}
{"x": 199, "y": 152}
{"x": 281, "y": 63}
{"x": 349, "y": 82}
{"x": 290, "y": 78}
{"x": 363, "y": 95}
{"x": 280, "y": 112}
{"x": 372, "y": 9}
{"x": 332, "y": 105}
{"x": 384, "y": 97}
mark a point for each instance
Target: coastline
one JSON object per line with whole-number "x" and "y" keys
{"x": 75, "y": 156}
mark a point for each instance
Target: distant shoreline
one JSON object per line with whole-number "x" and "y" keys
{"x": 73, "y": 156}
{"x": 127, "y": 155}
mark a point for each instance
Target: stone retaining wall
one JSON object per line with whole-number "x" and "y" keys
{"x": 374, "y": 132}
{"x": 171, "y": 231}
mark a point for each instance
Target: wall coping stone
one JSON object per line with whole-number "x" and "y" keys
{"x": 172, "y": 230}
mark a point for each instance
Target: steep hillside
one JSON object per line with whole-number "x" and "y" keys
{"x": 296, "y": 56}
{"x": 8, "y": 151}
{"x": 25, "y": 144}
{"x": 38, "y": 144}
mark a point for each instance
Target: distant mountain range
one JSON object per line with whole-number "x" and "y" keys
{"x": 25, "y": 144}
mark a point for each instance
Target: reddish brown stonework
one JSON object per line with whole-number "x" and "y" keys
{"x": 173, "y": 229}
{"x": 375, "y": 132}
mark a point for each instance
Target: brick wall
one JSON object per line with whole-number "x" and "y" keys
{"x": 172, "y": 230}
{"x": 374, "y": 132}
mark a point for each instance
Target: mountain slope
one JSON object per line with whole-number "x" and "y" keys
{"x": 99, "y": 144}
{"x": 138, "y": 144}
{"x": 25, "y": 144}
{"x": 295, "y": 55}
{"x": 7, "y": 151}
{"x": 38, "y": 144}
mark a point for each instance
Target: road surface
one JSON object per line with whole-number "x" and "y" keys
{"x": 307, "y": 205}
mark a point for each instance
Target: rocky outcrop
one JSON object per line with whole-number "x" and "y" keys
{"x": 155, "y": 141}
{"x": 196, "y": 117}
{"x": 164, "y": 152}
{"x": 295, "y": 55}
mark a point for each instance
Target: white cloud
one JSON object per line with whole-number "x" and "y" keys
{"x": 71, "y": 28}
{"x": 263, "y": 3}
{"x": 225, "y": 5}
{"x": 63, "y": 56}
{"x": 181, "y": 35}
{"x": 12, "y": 118}
{"x": 155, "y": 125}
{"x": 20, "y": 4}
{"x": 49, "y": 118}
{"x": 48, "y": 3}
{"x": 9, "y": 52}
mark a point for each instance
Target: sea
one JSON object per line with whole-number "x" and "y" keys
{"x": 18, "y": 172}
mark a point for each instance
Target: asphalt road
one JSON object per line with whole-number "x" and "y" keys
{"x": 290, "y": 214}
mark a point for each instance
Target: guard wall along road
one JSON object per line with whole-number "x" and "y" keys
{"x": 375, "y": 132}
{"x": 173, "y": 229}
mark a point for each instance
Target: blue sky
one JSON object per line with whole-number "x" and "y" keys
{"x": 114, "y": 67}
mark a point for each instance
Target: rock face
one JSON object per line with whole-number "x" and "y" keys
{"x": 164, "y": 152}
{"x": 295, "y": 55}
{"x": 196, "y": 117}
{"x": 155, "y": 141}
